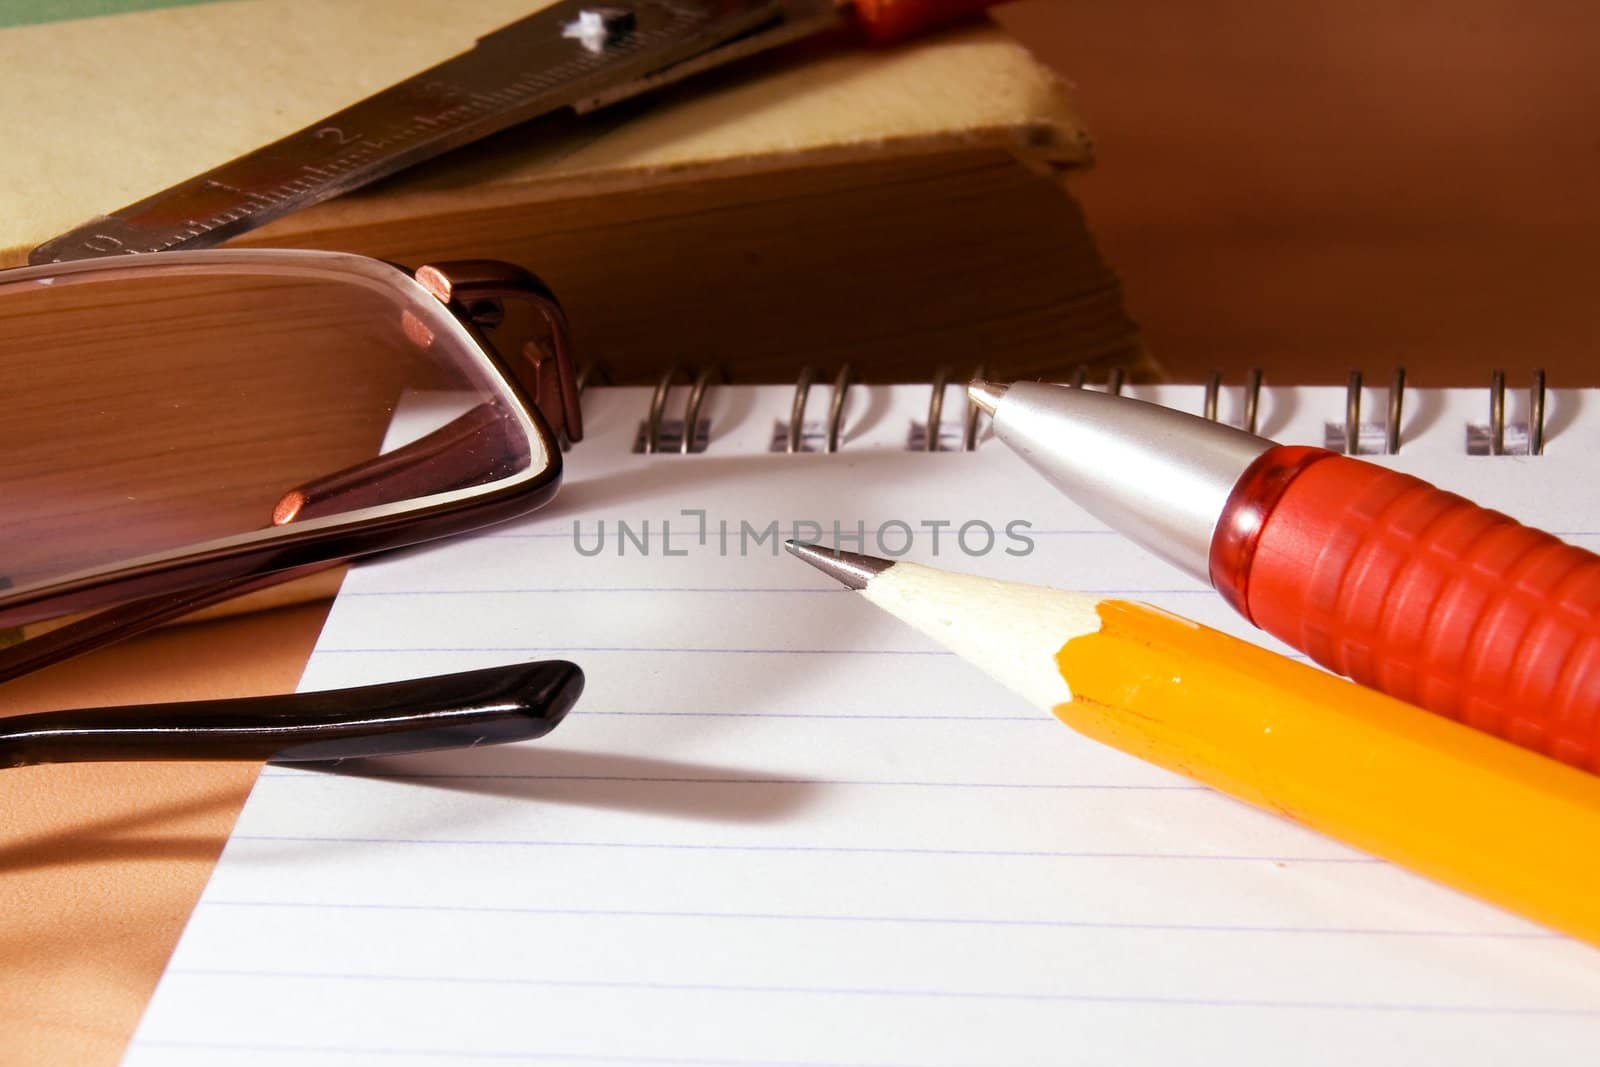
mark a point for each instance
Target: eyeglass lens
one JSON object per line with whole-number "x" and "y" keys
{"x": 152, "y": 410}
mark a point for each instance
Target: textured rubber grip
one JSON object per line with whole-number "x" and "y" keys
{"x": 890, "y": 20}
{"x": 1430, "y": 598}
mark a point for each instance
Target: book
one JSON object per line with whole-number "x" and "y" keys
{"x": 780, "y": 827}
{"x": 894, "y": 209}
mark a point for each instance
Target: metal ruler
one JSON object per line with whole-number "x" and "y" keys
{"x": 574, "y": 55}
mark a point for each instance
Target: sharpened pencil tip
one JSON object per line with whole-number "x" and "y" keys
{"x": 986, "y": 395}
{"x": 850, "y": 569}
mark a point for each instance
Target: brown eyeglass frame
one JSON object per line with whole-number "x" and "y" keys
{"x": 521, "y": 334}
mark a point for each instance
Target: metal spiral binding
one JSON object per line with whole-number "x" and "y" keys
{"x": 1497, "y": 413}
{"x": 1391, "y": 425}
{"x": 1536, "y": 413}
{"x": 592, "y": 369}
{"x": 691, "y": 407}
{"x": 797, "y": 408}
{"x": 651, "y": 443}
{"x": 941, "y": 378}
{"x": 1393, "y": 416}
{"x": 969, "y": 434}
{"x": 1352, "y": 414}
{"x": 1116, "y": 378}
{"x": 700, "y": 384}
{"x": 1391, "y": 428}
{"x": 1496, "y": 429}
{"x": 658, "y": 402}
{"x": 971, "y": 420}
{"x": 841, "y": 387}
{"x": 794, "y": 433}
{"x": 1252, "y": 398}
{"x": 1351, "y": 445}
{"x": 969, "y": 425}
{"x": 1208, "y": 409}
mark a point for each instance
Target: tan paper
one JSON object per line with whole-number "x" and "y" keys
{"x": 103, "y": 112}
{"x": 100, "y": 864}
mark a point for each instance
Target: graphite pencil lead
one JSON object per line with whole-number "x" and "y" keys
{"x": 850, "y": 569}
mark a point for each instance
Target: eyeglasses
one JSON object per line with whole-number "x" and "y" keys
{"x": 183, "y": 428}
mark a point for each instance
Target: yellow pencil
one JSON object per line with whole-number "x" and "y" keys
{"x": 1466, "y": 809}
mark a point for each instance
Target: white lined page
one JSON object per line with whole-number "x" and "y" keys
{"x": 780, "y": 828}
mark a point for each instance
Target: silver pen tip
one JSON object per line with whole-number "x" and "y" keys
{"x": 986, "y": 394}
{"x": 849, "y": 569}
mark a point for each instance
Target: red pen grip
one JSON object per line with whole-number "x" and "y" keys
{"x": 1421, "y": 594}
{"x": 890, "y": 20}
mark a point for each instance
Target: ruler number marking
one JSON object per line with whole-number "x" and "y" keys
{"x": 335, "y": 136}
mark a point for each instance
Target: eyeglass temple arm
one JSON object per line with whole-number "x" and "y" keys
{"x": 484, "y": 707}
{"x": 134, "y": 617}
{"x": 470, "y": 449}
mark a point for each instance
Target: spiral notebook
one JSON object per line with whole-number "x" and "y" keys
{"x": 781, "y": 829}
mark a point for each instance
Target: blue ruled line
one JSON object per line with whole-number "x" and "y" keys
{"x": 865, "y": 782}
{"x": 866, "y": 850}
{"x": 585, "y": 589}
{"x": 455, "y": 1054}
{"x": 899, "y": 993}
{"x": 646, "y": 589}
{"x": 1041, "y": 718}
{"x": 527, "y": 649}
{"x": 915, "y": 920}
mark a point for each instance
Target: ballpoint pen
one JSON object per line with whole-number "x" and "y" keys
{"x": 1463, "y": 808}
{"x": 1374, "y": 574}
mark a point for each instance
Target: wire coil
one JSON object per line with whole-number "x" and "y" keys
{"x": 1393, "y": 410}
{"x": 1343, "y": 436}
{"x": 841, "y": 389}
{"x": 794, "y": 434}
{"x": 1252, "y": 398}
{"x": 1497, "y": 413}
{"x": 651, "y": 438}
{"x": 797, "y": 408}
{"x": 970, "y": 421}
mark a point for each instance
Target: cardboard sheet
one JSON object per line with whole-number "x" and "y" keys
{"x": 100, "y": 864}
{"x": 103, "y": 112}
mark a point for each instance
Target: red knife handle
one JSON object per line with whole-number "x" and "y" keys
{"x": 1421, "y": 594}
{"x": 891, "y": 20}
